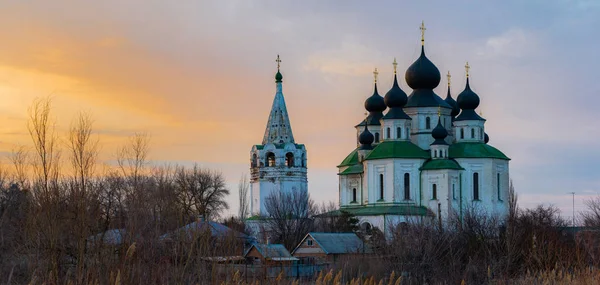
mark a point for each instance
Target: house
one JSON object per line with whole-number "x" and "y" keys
{"x": 223, "y": 240}
{"x": 329, "y": 247}
{"x": 269, "y": 254}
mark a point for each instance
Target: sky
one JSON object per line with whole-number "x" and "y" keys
{"x": 198, "y": 77}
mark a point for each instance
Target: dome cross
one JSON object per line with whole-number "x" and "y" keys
{"x": 448, "y": 76}
{"x": 395, "y": 64}
{"x": 375, "y": 74}
{"x": 467, "y": 67}
{"x": 422, "y": 28}
{"x": 278, "y": 60}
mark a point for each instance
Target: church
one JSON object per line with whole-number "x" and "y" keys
{"x": 417, "y": 156}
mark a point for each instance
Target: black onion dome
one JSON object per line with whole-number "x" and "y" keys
{"x": 468, "y": 101}
{"x": 395, "y": 97}
{"x": 366, "y": 138}
{"x": 278, "y": 77}
{"x": 439, "y": 133}
{"x": 486, "y": 138}
{"x": 375, "y": 103}
{"x": 422, "y": 74}
{"x": 452, "y": 103}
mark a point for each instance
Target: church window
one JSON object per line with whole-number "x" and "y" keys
{"x": 254, "y": 160}
{"x": 435, "y": 153}
{"x": 354, "y": 195}
{"x": 302, "y": 160}
{"x": 398, "y": 132}
{"x": 376, "y": 137}
{"x": 427, "y": 123}
{"x": 289, "y": 159}
{"x": 407, "y": 133}
{"x": 381, "y": 186}
{"x": 498, "y": 186}
{"x": 462, "y": 133}
{"x": 434, "y": 192}
{"x": 270, "y": 159}
{"x": 481, "y": 133}
{"x": 387, "y": 133}
{"x": 406, "y": 186}
{"x": 475, "y": 186}
{"x": 453, "y": 192}
{"x": 472, "y": 133}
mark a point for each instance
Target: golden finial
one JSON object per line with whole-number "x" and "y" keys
{"x": 467, "y": 67}
{"x": 422, "y": 28}
{"x": 278, "y": 62}
{"x": 448, "y": 76}
{"x": 395, "y": 64}
{"x": 375, "y": 73}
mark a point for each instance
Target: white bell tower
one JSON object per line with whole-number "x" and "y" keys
{"x": 279, "y": 163}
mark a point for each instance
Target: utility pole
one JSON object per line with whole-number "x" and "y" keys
{"x": 573, "y": 223}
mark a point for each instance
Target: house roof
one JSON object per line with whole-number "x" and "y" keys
{"x": 216, "y": 230}
{"x": 272, "y": 251}
{"x": 337, "y": 243}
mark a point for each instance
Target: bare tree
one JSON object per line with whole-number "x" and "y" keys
{"x": 84, "y": 149}
{"x": 289, "y": 216}
{"x": 132, "y": 157}
{"x": 201, "y": 191}
{"x": 591, "y": 217}
{"x": 19, "y": 158}
{"x": 42, "y": 131}
{"x": 243, "y": 187}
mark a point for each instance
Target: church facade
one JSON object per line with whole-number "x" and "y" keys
{"x": 278, "y": 164}
{"x": 419, "y": 156}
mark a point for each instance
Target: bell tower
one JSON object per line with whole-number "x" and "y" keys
{"x": 279, "y": 163}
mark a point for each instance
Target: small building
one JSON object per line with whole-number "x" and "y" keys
{"x": 318, "y": 248}
{"x": 269, "y": 254}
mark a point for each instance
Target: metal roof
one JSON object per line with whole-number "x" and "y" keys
{"x": 271, "y": 251}
{"x": 338, "y": 243}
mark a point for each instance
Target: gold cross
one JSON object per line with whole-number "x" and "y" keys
{"x": 375, "y": 73}
{"x": 448, "y": 76}
{"x": 467, "y": 67}
{"x": 395, "y": 64}
{"x": 422, "y": 28}
{"x": 439, "y": 111}
{"x": 278, "y": 62}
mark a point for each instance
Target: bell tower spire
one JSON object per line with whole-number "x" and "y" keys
{"x": 278, "y": 129}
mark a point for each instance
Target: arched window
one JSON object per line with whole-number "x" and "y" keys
{"x": 381, "y": 186}
{"x": 475, "y": 186}
{"x": 462, "y": 133}
{"x": 376, "y": 137}
{"x": 434, "y": 192}
{"x": 289, "y": 159}
{"x": 407, "y": 133}
{"x": 427, "y": 123}
{"x": 254, "y": 160}
{"x": 498, "y": 186}
{"x": 398, "y": 132}
{"x": 435, "y": 153}
{"x": 387, "y": 135}
{"x": 354, "y": 195}
{"x": 270, "y": 159}
{"x": 472, "y": 133}
{"x": 303, "y": 164}
{"x": 480, "y": 133}
{"x": 453, "y": 192}
{"x": 406, "y": 186}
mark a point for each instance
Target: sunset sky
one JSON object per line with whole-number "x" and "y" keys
{"x": 198, "y": 76}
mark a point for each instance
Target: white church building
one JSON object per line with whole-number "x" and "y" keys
{"x": 419, "y": 155}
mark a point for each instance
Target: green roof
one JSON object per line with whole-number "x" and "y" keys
{"x": 475, "y": 150}
{"x": 404, "y": 210}
{"x": 351, "y": 159}
{"x": 397, "y": 149}
{"x": 436, "y": 164}
{"x": 354, "y": 169}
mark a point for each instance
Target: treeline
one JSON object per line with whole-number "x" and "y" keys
{"x": 54, "y": 196}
